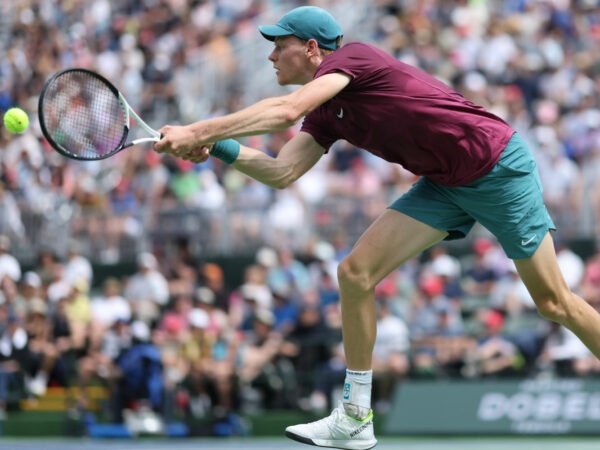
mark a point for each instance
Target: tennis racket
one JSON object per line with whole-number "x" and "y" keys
{"x": 85, "y": 117}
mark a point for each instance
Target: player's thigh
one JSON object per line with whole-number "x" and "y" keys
{"x": 541, "y": 274}
{"x": 391, "y": 240}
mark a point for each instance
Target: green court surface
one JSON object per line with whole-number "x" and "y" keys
{"x": 385, "y": 443}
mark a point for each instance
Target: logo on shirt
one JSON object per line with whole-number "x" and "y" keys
{"x": 340, "y": 115}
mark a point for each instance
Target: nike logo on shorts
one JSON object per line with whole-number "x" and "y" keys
{"x": 528, "y": 241}
{"x": 340, "y": 114}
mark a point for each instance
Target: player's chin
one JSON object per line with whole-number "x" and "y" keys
{"x": 281, "y": 80}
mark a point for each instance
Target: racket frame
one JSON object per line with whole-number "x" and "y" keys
{"x": 128, "y": 114}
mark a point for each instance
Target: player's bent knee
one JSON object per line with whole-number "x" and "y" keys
{"x": 551, "y": 309}
{"x": 351, "y": 275}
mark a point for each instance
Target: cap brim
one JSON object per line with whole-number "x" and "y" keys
{"x": 270, "y": 32}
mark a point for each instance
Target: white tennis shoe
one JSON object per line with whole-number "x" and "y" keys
{"x": 338, "y": 430}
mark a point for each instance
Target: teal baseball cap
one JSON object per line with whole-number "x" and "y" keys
{"x": 306, "y": 22}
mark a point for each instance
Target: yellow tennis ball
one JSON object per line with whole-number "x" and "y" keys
{"x": 16, "y": 120}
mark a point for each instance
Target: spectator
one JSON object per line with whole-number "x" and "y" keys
{"x": 323, "y": 272}
{"x": 63, "y": 339}
{"x": 258, "y": 368}
{"x": 30, "y": 287}
{"x": 289, "y": 273}
{"x": 185, "y": 183}
{"x": 106, "y": 309}
{"x": 257, "y": 298}
{"x": 198, "y": 395}
{"x": 9, "y": 265}
{"x": 42, "y": 351}
{"x": 11, "y": 220}
{"x": 213, "y": 277}
{"x": 388, "y": 292}
{"x": 211, "y": 379}
{"x": 93, "y": 207}
{"x": 480, "y": 274}
{"x": 45, "y": 266}
{"x": 171, "y": 337}
{"x": 218, "y": 320}
{"x": 123, "y": 218}
{"x": 438, "y": 338}
{"x": 442, "y": 264}
{"x": 493, "y": 354}
{"x": 254, "y": 285}
{"x": 140, "y": 373}
{"x": 57, "y": 287}
{"x": 77, "y": 308}
{"x": 76, "y": 265}
{"x": 564, "y": 355}
{"x": 223, "y": 368}
{"x": 147, "y": 290}
{"x": 429, "y": 305}
{"x": 360, "y": 180}
{"x": 266, "y": 258}
{"x": 286, "y": 312}
{"x": 285, "y": 214}
{"x": 179, "y": 269}
{"x": 13, "y": 358}
{"x": 150, "y": 181}
{"x": 99, "y": 363}
{"x": 308, "y": 345}
{"x": 175, "y": 319}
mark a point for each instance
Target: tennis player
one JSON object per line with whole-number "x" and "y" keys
{"x": 473, "y": 167}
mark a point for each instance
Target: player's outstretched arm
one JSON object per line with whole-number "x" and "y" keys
{"x": 272, "y": 114}
{"x": 268, "y": 115}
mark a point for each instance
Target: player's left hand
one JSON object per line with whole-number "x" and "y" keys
{"x": 198, "y": 155}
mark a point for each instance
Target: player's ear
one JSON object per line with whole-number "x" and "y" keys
{"x": 312, "y": 47}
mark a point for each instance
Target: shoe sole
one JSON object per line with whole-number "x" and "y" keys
{"x": 344, "y": 445}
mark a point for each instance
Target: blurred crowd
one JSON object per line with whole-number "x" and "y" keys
{"x": 178, "y": 340}
{"x": 176, "y": 333}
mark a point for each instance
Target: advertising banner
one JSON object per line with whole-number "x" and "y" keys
{"x": 558, "y": 406}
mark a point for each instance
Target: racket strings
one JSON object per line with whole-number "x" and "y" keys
{"x": 83, "y": 115}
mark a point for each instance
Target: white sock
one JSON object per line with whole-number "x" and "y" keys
{"x": 357, "y": 393}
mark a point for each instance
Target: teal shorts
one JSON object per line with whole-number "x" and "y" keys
{"x": 508, "y": 201}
